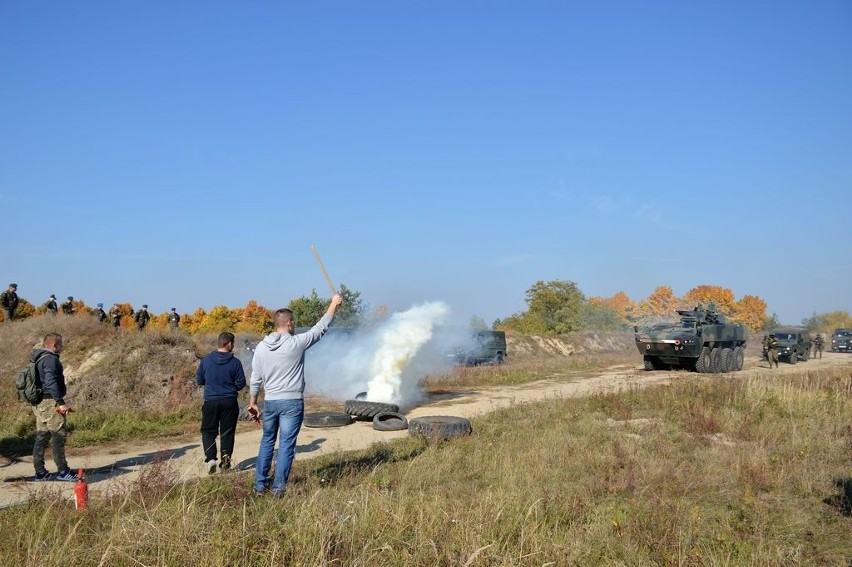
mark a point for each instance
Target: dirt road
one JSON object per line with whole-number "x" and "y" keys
{"x": 114, "y": 469}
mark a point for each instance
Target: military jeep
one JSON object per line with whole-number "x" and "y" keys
{"x": 480, "y": 347}
{"x": 841, "y": 340}
{"x": 794, "y": 344}
{"x": 702, "y": 340}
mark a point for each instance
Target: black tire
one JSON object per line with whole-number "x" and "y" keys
{"x": 368, "y": 410}
{"x": 498, "y": 360}
{"x": 794, "y": 357}
{"x": 739, "y": 358}
{"x": 726, "y": 360}
{"x": 326, "y": 419}
{"x": 439, "y": 426}
{"x": 806, "y": 356}
{"x": 715, "y": 359}
{"x": 650, "y": 363}
{"x": 702, "y": 365}
{"x": 390, "y": 421}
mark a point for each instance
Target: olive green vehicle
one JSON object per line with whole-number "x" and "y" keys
{"x": 794, "y": 344}
{"x": 703, "y": 341}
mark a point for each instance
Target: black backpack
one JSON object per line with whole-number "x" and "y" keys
{"x": 28, "y": 383}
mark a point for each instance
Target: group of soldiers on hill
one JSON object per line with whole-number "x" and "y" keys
{"x": 9, "y": 300}
{"x": 770, "y": 347}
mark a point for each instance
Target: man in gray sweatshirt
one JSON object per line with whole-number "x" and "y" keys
{"x": 278, "y": 366}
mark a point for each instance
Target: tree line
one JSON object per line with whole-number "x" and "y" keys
{"x": 559, "y": 306}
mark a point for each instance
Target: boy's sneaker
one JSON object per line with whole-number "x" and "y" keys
{"x": 42, "y": 476}
{"x": 210, "y": 466}
{"x": 67, "y": 475}
{"x": 225, "y": 463}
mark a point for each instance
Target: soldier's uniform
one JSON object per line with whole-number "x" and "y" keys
{"x": 818, "y": 345}
{"x": 772, "y": 351}
{"x": 100, "y": 313}
{"x": 9, "y": 300}
{"x": 68, "y": 306}
{"x": 51, "y": 305}
{"x": 142, "y": 317}
{"x": 115, "y": 313}
{"x": 174, "y": 319}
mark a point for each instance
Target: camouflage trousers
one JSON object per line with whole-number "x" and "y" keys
{"x": 8, "y": 315}
{"x": 50, "y": 428}
{"x": 772, "y": 357}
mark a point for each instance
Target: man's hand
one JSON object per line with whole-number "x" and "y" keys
{"x": 63, "y": 410}
{"x": 254, "y": 412}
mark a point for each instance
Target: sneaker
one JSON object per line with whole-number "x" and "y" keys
{"x": 67, "y": 475}
{"x": 42, "y": 476}
{"x": 225, "y": 463}
{"x": 211, "y": 466}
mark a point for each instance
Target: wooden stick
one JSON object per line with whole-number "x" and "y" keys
{"x": 324, "y": 273}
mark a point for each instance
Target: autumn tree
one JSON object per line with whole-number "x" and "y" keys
{"x": 827, "y": 322}
{"x": 619, "y": 303}
{"x": 253, "y": 318}
{"x": 721, "y": 297}
{"x": 218, "y": 319}
{"x": 661, "y": 303}
{"x": 750, "y": 311}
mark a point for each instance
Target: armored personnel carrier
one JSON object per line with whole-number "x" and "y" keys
{"x": 703, "y": 340}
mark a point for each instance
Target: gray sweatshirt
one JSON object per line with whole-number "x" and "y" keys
{"x": 278, "y": 365}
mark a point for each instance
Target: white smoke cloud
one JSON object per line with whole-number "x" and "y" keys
{"x": 387, "y": 362}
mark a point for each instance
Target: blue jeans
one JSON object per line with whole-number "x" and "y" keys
{"x": 282, "y": 419}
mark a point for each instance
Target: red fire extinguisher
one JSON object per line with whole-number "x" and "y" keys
{"x": 81, "y": 491}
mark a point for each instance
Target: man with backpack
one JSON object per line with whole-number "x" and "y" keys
{"x": 51, "y": 412}
{"x": 9, "y": 299}
{"x": 174, "y": 319}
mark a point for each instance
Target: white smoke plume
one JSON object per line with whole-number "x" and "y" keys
{"x": 387, "y": 362}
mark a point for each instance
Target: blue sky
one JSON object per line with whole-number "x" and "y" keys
{"x": 188, "y": 154}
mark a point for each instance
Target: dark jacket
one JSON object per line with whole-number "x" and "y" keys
{"x": 49, "y": 371}
{"x": 9, "y": 300}
{"x": 221, "y": 375}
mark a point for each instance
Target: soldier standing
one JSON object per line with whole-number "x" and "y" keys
{"x": 51, "y": 305}
{"x": 100, "y": 313}
{"x": 142, "y": 317}
{"x": 818, "y": 345}
{"x": 68, "y": 306}
{"x": 9, "y": 300}
{"x": 174, "y": 319}
{"x": 772, "y": 350}
{"x": 115, "y": 313}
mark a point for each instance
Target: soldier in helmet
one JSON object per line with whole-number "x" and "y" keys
{"x": 68, "y": 306}
{"x": 142, "y": 317}
{"x": 772, "y": 350}
{"x": 51, "y": 305}
{"x": 99, "y": 313}
{"x": 174, "y": 319}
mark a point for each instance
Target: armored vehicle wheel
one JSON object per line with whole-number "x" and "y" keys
{"x": 368, "y": 410}
{"x": 390, "y": 421}
{"x": 715, "y": 359}
{"x": 703, "y": 363}
{"x": 439, "y": 426}
{"x": 726, "y": 360}
{"x": 806, "y": 356}
{"x": 739, "y": 358}
{"x": 651, "y": 363}
{"x": 499, "y": 358}
{"x": 793, "y": 358}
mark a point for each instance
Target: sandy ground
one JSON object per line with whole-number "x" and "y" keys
{"x": 113, "y": 469}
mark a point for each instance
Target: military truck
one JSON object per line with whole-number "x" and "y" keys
{"x": 841, "y": 340}
{"x": 481, "y": 347}
{"x": 702, "y": 340}
{"x": 794, "y": 344}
